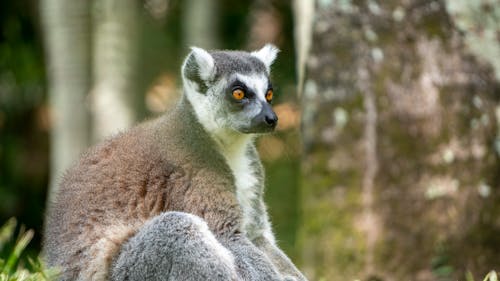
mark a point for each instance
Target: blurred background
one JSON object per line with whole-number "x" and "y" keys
{"x": 386, "y": 161}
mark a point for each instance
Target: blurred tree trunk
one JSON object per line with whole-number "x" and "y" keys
{"x": 114, "y": 66}
{"x": 401, "y": 142}
{"x": 66, "y": 27}
{"x": 89, "y": 41}
{"x": 200, "y": 19}
{"x": 266, "y": 25}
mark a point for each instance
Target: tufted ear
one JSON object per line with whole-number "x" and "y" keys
{"x": 267, "y": 55}
{"x": 199, "y": 64}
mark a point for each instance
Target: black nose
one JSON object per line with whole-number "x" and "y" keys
{"x": 271, "y": 119}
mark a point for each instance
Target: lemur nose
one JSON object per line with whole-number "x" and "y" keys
{"x": 271, "y": 119}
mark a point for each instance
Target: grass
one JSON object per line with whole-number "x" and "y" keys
{"x": 13, "y": 266}
{"x": 492, "y": 276}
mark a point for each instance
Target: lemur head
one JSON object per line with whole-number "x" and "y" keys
{"x": 230, "y": 91}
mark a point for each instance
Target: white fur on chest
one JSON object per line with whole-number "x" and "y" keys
{"x": 246, "y": 181}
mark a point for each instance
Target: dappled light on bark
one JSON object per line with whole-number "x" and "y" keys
{"x": 402, "y": 182}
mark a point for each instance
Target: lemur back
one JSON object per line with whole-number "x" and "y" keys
{"x": 192, "y": 175}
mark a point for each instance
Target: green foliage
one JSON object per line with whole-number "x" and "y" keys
{"x": 11, "y": 268}
{"x": 492, "y": 276}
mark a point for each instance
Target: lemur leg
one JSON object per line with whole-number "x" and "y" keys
{"x": 251, "y": 263}
{"x": 174, "y": 246}
{"x": 280, "y": 259}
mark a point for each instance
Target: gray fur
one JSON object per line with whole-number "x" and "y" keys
{"x": 191, "y": 72}
{"x": 170, "y": 247}
{"x": 226, "y": 63}
{"x": 230, "y": 62}
{"x": 163, "y": 201}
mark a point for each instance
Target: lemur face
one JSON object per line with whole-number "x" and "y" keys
{"x": 231, "y": 90}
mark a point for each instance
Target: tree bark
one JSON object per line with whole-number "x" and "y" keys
{"x": 200, "y": 23}
{"x": 66, "y": 27}
{"x": 114, "y": 66}
{"x": 400, "y": 132}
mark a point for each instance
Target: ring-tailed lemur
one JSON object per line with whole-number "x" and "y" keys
{"x": 179, "y": 197}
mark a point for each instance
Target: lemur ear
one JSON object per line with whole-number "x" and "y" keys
{"x": 267, "y": 55}
{"x": 199, "y": 63}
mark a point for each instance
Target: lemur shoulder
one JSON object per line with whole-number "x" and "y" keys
{"x": 179, "y": 197}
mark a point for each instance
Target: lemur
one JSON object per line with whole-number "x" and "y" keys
{"x": 179, "y": 197}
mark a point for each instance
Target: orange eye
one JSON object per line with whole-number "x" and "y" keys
{"x": 269, "y": 95}
{"x": 238, "y": 94}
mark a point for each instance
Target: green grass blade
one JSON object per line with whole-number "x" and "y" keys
{"x": 492, "y": 276}
{"x": 6, "y": 232}
{"x": 469, "y": 276}
{"x": 21, "y": 244}
{"x": 42, "y": 272}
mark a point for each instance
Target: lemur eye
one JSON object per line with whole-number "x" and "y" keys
{"x": 269, "y": 95}
{"x": 238, "y": 94}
